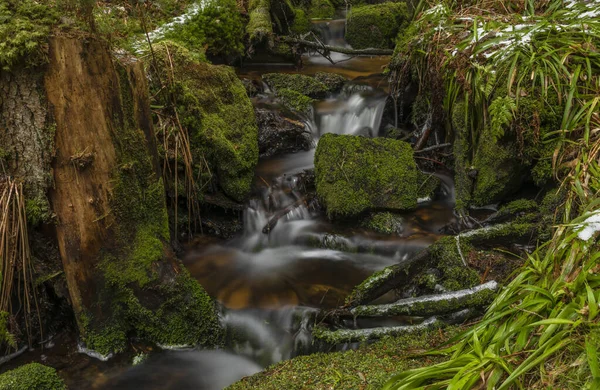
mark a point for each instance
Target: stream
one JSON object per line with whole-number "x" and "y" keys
{"x": 270, "y": 285}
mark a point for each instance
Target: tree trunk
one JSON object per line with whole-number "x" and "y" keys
{"x": 113, "y": 229}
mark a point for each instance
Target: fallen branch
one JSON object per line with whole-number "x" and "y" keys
{"x": 402, "y": 273}
{"x": 429, "y": 305}
{"x": 340, "y": 336}
{"x": 337, "y": 49}
{"x": 434, "y": 147}
{"x": 280, "y": 214}
{"x": 389, "y": 278}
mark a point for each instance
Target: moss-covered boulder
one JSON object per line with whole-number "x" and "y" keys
{"x": 385, "y": 223}
{"x": 333, "y": 81}
{"x": 355, "y": 174}
{"x": 33, "y": 376}
{"x": 321, "y": 9}
{"x": 305, "y": 85}
{"x": 214, "y": 108}
{"x": 376, "y": 26}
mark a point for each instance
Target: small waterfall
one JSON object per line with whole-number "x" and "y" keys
{"x": 281, "y": 209}
{"x": 269, "y": 336}
{"x": 357, "y": 115}
{"x": 332, "y": 32}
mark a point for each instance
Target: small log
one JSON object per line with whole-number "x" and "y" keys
{"x": 388, "y": 279}
{"x": 280, "y": 214}
{"x": 341, "y": 336}
{"x": 402, "y": 273}
{"x": 337, "y": 49}
{"x": 429, "y": 305}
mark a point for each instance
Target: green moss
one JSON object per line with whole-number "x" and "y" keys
{"x": 321, "y": 9}
{"x": 301, "y": 24}
{"x": 462, "y": 182}
{"x": 428, "y": 185}
{"x": 499, "y": 170}
{"x": 447, "y": 259}
{"x": 24, "y": 30}
{"x": 333, "y": 81}
{"x": 519, "y": 206}
{"x": 38, "y": 210}
{"x": 145, "y": 289}
{"x": 5, "y": 335}
{"x": 218, "y": 29}
{"x": 306, "y": 85}
{"x": 376, "y": 25}
{"x": 369, "y": 367}
{"x": 386, "y": 223}
{"x": 214, "y": 108}
{"x": 296, "y": 101}
{"x": 33, "y": 376}
{"x": 260, "y": 25}
{"x": 354, "y": 174}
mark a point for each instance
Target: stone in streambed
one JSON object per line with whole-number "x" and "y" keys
{"x": 356, "y": 174}
{"x": 376, "y": 26}
{"x": 305, "y": 85}
{"x": 280, "y": 135}
{"x": 385, "y": 223}
{"x": 333, "y": 81}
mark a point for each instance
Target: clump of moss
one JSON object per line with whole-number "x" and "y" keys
{"x": 24, "y": 31}
{"x": 321, "y": 9}
{"x": 5, "y": 335}
{"x": 354, "y": 174}
{"x": 301, "y": 23}
{"x": 519, "y": 206}
{"x": 217, "y": 29}
{"x": 376, "y": 25}
{"x": 296, "y": 101}
{"x": 259, "y": 26}
{"x": 33, "y": 376}
{"x": 447, "y": 258}
{"x": 214, "y": 108}
{"x": 386, "y": 223}
{"x": 300, "y": 83}
{"x": 333, "y": 81}
{"x": 38, "y": 210}
{"x": 499, "y": 171}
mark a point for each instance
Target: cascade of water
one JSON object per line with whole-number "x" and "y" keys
{"x": 356, "y": 115}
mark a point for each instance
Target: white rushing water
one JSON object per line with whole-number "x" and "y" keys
{"x": 356, "y": 114}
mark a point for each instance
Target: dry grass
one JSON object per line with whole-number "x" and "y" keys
{"x": 17, "y": 295}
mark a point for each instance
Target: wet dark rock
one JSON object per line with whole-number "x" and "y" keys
{"x": 279, "y": 135}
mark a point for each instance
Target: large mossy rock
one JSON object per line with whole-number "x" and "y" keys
{"x": 33, "y": 376}
{"x": 355, "y": 174}
{"x": 305, "y": 85}
{"x": 214, "y": 108}
{"x": 376, "y": 26}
